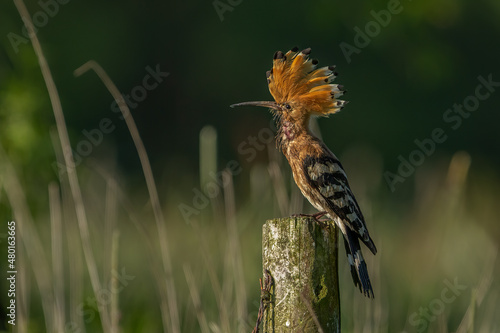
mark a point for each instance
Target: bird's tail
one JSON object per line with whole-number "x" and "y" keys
{"x": 359, "y": 271}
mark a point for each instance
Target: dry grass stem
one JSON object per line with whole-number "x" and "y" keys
{"x": 153, "y": 193}
{"x": 68, "y": 158}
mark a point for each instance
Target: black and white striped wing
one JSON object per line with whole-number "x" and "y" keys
{"x": 327, "y": 176}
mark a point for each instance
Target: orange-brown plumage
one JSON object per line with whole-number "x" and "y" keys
{"x": 295, "y": 80}
{"x": 301, "y": 91}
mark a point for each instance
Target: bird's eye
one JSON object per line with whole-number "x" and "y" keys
{"x": 288, "y": 107}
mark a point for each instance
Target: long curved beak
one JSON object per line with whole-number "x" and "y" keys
{"x": 266, "y": 104}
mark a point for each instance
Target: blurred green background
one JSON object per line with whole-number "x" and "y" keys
{"x": 408, "y": 67}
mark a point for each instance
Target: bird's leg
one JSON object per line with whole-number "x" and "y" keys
{"x": 317, "y": 217}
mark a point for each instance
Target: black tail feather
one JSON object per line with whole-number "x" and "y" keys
{"x": 350, "y": 259}
{"x": 359, "y": 270}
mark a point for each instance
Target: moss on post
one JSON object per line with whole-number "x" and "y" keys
{"x": 301, "y": 256}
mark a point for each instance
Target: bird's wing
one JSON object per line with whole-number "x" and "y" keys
{"x": 327, "y": 176}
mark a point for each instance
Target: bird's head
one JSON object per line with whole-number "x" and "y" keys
{"x": 301, "y": 90}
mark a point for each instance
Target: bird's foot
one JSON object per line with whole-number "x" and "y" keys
{"x": 317, "y": 217}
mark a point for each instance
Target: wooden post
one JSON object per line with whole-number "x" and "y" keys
{"x": 301, "y": 257}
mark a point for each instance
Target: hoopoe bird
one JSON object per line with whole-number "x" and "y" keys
{"x": 302, "y": 91}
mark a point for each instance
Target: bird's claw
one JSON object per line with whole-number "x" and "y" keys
{"x": 316, "y": 217}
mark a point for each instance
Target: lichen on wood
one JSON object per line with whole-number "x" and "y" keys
{"x": 301, "y": 256}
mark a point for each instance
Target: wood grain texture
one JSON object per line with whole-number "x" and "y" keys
{"x": 301, "y": 256}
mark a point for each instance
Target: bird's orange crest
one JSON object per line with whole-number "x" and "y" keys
{"x": 295, "y": 80}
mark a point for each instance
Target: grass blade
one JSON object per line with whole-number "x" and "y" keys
{"x": 68, "y": 158}
{"x": 153, "y": 193}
